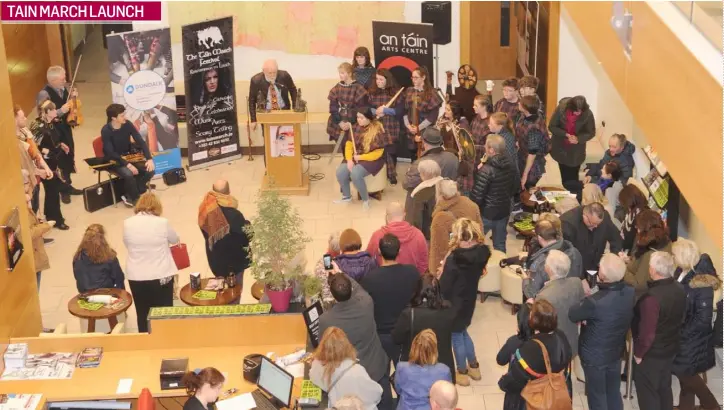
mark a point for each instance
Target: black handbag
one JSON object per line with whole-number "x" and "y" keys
{"x": 100, "y": 195}
{"x": 399, "y": 359}
{"x": 174, "y": 176}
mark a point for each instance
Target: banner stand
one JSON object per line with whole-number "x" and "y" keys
{"x": 211, "y": 121}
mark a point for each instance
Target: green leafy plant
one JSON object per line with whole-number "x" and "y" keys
{"x": 312, "y": 286}
{"x": 276, "y": 237}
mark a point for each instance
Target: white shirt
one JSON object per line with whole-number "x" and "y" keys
{"x": 147, "y": 239}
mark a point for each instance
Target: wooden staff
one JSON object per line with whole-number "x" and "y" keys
{"x": 248, "y": 128}
{"x": 351, "y": 137}
{"x": 392, "y": 100}
{"x": 415, "y": 116}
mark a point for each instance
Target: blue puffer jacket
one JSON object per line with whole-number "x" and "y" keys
{"x": 625, "y": 161}
{"x": 357, "y": 265}
{"x": 608, "y": 314}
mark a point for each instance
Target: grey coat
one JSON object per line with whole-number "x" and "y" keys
{"x": 536, "y": 266}
{"x": 570, "y": 155}
{"x": 356, "y": 317}
{"x": 448, "y": 169}
{"x": 564, "y": 294}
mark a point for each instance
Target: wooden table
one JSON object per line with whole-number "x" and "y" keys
{"x": 106, "y": 312}
{"x": 223, "y": 297}
{"x": 525, "y": 196}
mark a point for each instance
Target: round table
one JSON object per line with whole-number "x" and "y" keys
{"x": 223, "y": 297}
{"x": 525, "y": 196}
{"x": 106, "y": 312}
{"x": 257, "y": 290}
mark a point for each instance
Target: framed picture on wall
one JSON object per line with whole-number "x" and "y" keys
{"x": 11, "y": 236}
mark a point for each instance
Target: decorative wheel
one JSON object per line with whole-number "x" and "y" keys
{"x": 467, "y": 76}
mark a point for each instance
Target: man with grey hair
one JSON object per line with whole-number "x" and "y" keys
{"x": 443, "y": 396}
{"x": 658, "y": 317}
{"x": 276, "y": 87}
{"x": 413, "y": 247}
{"x": 449, "y": 207}
{"x": 605, "y": 318}
{"x": 57, "y": 92}
{"x": 562, "y": 292}
{"x": 422, "y": 198}
{"x": 433, "y": 149}
{"x": 495, "y": 184}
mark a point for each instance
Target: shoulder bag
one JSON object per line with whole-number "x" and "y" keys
{"x": 547, "y": 391}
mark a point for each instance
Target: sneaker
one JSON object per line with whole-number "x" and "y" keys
{"x": 462, "y": 379}
{"x": 48, "y": 241}
{"x": 126, "y": 202}
{"x": 366, "y": 205}
{"x": 343, "y": 200}
{"x": 474, "y": 373}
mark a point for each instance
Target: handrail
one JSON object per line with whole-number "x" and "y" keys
{"x": 706, "y": 17}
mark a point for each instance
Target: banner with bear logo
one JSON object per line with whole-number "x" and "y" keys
{"x": 141, "y": 71}
{"x": 212, "y": 125}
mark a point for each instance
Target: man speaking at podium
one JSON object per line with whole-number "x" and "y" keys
{"x": 275, "y": 85}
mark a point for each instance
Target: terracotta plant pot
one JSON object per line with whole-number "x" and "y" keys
{"x": 279, "y": 299}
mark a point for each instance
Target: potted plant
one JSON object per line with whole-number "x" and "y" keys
{"x": 312, "y": 286}
{"x": 276, "y": 237}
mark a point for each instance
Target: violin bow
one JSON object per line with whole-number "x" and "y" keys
{"x": 75, "y": 72}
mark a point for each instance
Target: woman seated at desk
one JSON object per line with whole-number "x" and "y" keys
{"x": 203, "y": 387}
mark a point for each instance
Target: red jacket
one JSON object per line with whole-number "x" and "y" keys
{"x": 413, "y": 247}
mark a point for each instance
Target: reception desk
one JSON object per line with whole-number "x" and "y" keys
{"x": 220, "y": 342}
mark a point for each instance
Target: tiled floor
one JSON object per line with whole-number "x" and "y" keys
{"x": 492, "y": 322}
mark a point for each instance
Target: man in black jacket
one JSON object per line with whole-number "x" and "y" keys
{"x": 495, "y": 184}
{"x": 222, "y": 225}
{"x": 275, "y": 85}
{"x": 658, "y": 317}
{"x": 606, "y": 316}
{"x": 589, "y": 229}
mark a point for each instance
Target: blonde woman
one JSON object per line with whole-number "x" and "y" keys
{"x": 462, "y": 270}
{"x": 592, "y": 193}
{"x": 95, "y": 263}
{"x": 346, "y": 98}
{"x": 149, "y": 264}
{"x": 335, "y": 370}
{"x": 415, "y": 377}
{"x": 362, "y": 156}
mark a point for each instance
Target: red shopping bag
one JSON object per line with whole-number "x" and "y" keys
{"x": 180, "y": 256}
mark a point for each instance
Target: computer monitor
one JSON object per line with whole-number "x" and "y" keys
{"x": 275, "y": 381}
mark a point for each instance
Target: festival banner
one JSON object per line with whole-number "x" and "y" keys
{"x": 401, "y": 47}
{"x": 141, "y": 71}
{"x": 213, "y": 132}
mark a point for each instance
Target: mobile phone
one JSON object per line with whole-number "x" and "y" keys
{"x": 327, "y": 260}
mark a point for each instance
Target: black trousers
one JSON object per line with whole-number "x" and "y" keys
{"x": 51, "y": 203}
{"x": 652, "y": 379}
{"x": 569, "y": 173}
{"x": 148, "y": 294}
{"x": 35, "y": 200}
{"x": 135, "y": 185}
{"x": 693, "y": 386}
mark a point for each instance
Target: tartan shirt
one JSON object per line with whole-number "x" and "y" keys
{"x": 532, "y": 135}
{"x": 509, "y": 108}
{"x": 391, "y": 122}
{"x": 344, "y": 102}
{"x": 480, "y": 131}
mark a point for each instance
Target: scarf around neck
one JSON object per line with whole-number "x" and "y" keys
{"x": 211, "y": 217}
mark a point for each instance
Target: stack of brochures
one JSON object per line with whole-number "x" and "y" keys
{"x": 89, "y": 357}
{"x": 16, "y": 355}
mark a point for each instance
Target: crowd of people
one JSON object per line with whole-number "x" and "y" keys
{"x": 599, "y": 269}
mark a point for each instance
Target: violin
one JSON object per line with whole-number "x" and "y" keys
{"x": 75, "y": 115}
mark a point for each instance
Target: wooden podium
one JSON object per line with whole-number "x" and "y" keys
{"x": 283, "y": 162}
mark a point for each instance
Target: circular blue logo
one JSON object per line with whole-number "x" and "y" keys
{"x": 129, "y": 89}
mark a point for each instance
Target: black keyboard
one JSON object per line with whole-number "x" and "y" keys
{"x": 262, "y": 402}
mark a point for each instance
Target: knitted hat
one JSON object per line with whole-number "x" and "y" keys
{"x": 350, "y": 240}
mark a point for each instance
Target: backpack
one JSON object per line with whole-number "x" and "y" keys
{"x": 548, "y": 391}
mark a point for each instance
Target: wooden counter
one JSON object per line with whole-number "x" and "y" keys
{"x": 217, "y": 342}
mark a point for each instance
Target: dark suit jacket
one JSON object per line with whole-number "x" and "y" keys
{"x": 259, "y": 83}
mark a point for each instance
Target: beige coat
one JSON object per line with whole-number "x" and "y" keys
{"x": 445, "y": 214}
{"x": 37, "y": 230}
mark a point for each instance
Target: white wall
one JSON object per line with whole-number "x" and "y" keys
{"x": 312, "y": 67}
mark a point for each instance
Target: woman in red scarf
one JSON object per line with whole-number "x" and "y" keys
{"x": 571, "y": 126}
